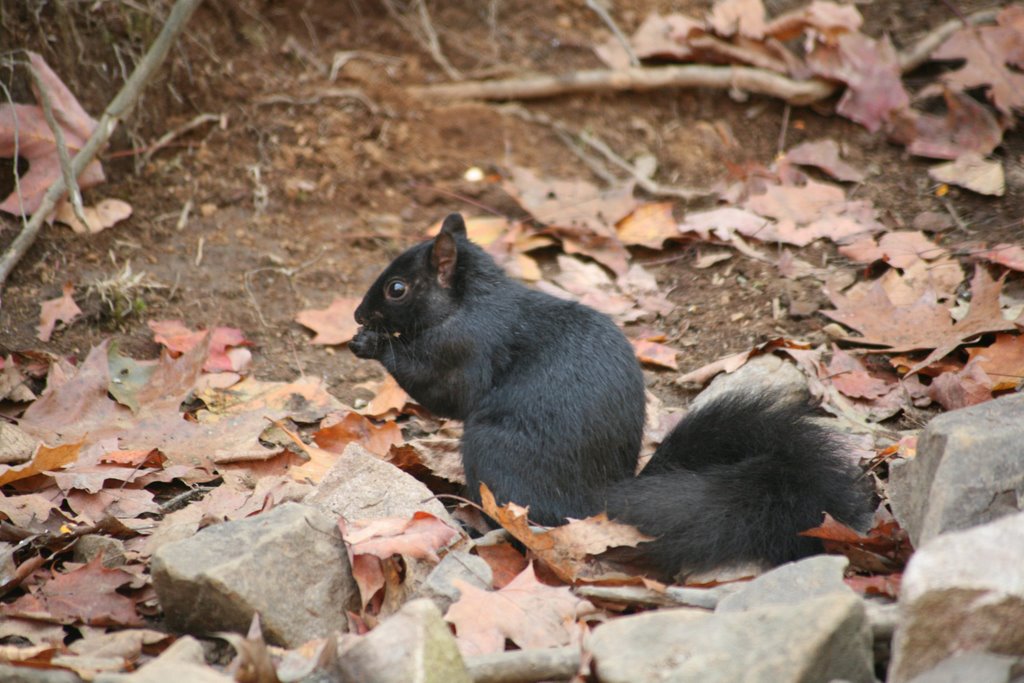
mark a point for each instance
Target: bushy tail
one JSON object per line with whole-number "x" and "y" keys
{"x": 735, "y": 482}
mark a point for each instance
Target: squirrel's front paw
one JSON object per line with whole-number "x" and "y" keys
{"x": 365, "y": 344}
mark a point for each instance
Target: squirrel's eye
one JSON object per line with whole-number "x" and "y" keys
{"x": 396, "y": 290}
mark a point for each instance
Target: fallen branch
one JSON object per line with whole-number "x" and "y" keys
{"x": 745, "y": 78}
{"x": 115, "y": 111}
{"x": 525, "y": 666}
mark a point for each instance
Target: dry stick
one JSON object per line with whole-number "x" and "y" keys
{"x": 115, "y": 111}
{"x": 70, "y": 179}
{"x": 650, "y": 186}
{"x": 745, "y": 78}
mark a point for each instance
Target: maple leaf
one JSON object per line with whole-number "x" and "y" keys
{"x": 578, "y": 213}
{"x": 24, "y": 132}
{"x": 86, "y": 595}
{"x": 527, "y": 612}
{"x": 63, "y": 308}
{"x": 564, "y": 549}
{"x": 923, "y": 324}
{"x": 989, "y": 51}
{"x": 335, "y": 324}
{"x": 225, "y": 354}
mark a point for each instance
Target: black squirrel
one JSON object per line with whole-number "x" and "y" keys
{"x": 552, "y": 401}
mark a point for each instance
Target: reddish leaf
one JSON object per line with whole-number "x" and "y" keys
{"x": 505, "y": 561}
{"x": 334, "y": 434}
{"x": 649, "y": 226}
{"x": 389, "y": 399}
{"x": 24, "y": 131}
{"x": 87, "y": 595}
{"x": 1002, "y": 361}
{"x": 967, "y": 126}
{"x": 653, "y": 353}
{"x": 63, "y": 309}
{"x": 334, "y": 324}
{"x": 966, "y": 387}
{"x": 224, "y": 352}
{"x": 420, "y": 536}
{"x": 988, "y": 52}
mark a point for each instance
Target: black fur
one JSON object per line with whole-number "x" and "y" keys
{"x": 552, "y": 399}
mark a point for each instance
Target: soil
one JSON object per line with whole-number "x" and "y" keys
{"x": 313, "y": 184}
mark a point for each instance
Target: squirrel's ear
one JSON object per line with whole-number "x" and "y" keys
{"x": 444, "y": 253}
{"x": 454, "y": 225}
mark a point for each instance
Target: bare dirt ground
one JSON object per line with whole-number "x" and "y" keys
{"x": 313, "y": 184}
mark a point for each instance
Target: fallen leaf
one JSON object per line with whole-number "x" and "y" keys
{"x": 86, "y": 595}
{"x": 389, "y": 399}
{"x": 335, "y": 324}
{"x": 828, "y": 19}
{"x": 336, "y": 433}
{"x": 743, "y": 17}
{"x": 923, "y": 324}
{"x": 658, "y": 36}
{"x": 422, "y": 536}
{"x": 870, "y": 69}
{"x": 24, "y": 132}
{"x": 505, "y": 561}
{"x": 578, "y": 213}
{"x": 731, "y": 363}
{"x": 527, "y": 612}
{"x": 989, "y": 54}
{"x": 984, "y": 176}
{"x": 824, "y": 154}
{"x": 1002, "y": 361}
{"x": 968, "y": 386}
{"x": 1007, "y": 255}
{"x": 63, "y": 309}
{"x": 967, "y": 126}
{"x": 107, "y": 213}
{"x": 434, "y": 455}
{"x": 653, "y": 353}
{"x": 45, "y": 459}
{"x": 225, "y": 352}
{"x": 649, "y": 226}
{"x": 28, "y": 511}
{"x": 900, "y": 249}
{"x": 804, "y": 213}
{"x": 723, "y": 222}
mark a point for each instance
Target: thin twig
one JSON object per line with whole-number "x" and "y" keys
{"x": 754, "y": 80}
{"x": 70, "y": 180}
{"x": 424, "y": 34}
{"x": 116, "y": 110}
{"x": 599, "y": 9}
{"x": 169, "y": 136}
{"x": 649, "y": 185}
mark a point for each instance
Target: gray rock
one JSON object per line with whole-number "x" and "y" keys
{"x": 962, "y": 592}
{"x": 182, "y": 661}
{"x": 89, "y": 546}
{"x": 360, "y": 485}
{"x": 455, "y": 565}
{"x": 761, "y": 373}
{"x": 25, "y": 674}
{"x": 790, "y": 583}
{"x": 976, "y": 667}
{"x": 969, "y": 470}
{"x": 288, "y": 564}
{"x": 413, "y": 646}
{"x": 819, "y": 639}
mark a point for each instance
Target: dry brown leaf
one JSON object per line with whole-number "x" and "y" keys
{"x": 828, "y": 19}
{"x": 731, "y": 363}
{"x": 421, "y": 536}
{"x": 435, "y": 455}
{"x": 336, "y": 432}
{"x": 63, "y": 309}
{"x": 334, "y": 324}
{"x": 86, "y": 595}
{"x": 967, "y": 126}
{"x": 389, "y": 399}
{"x": 1007, "y": 255}
{"x": 871, "y": 71}
{"x": 527, "y": 612}
{"x": 649, "y": 226}
{"x": 984, "y": 176}
{"x": 824, "y": 154}
{"x": 1002, "y": 361}
{"x": 849, "y": 375}
{"x": 923, "y": 324}
{"x": 900, "y": 249}
{"x": 652, "y": 353}
{"x": 107, "y": 213}
{"x": 744, "y": 17}
{"x": 968, "y": 386}
{"x": 809, "y": 212}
